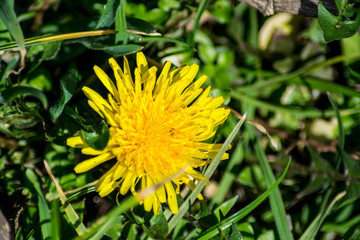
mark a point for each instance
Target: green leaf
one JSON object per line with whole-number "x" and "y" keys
{"x": 341, "y": 144}
{"x": 139, "y": 25}
{"x": 44, "y": 212}
{"x": 10, "y": 66}
{"x": 318, "y": 181}
{"x": 314, "y": 227}
{"x": 236, "y": 158}
{"x": 325, "y": 86}
{"x": 122, "y": 50}
{"x": 129, "y": 231}
{"x": 226, "y": 223}
{"x": 100, "y": 227}
{"x": 68, "y": 85}
{"x": 51, "y": 49}
{"x": 8, "y": 16}
{"x": 200, "y": 11}
{"x": 116, "y": 50}
{"x": 70, "y": 211}
{"x": 157, "y": 227}
{"x": 352, "y": 168}
{"x": 121, "y": 34}
{"x": 10, "y": 94}
{"x": 97, "y": 139}
{"x": 108, "y": 16}
{"x": 337, "y": 27}
{"x": 225, "y": 207}
{"x": 235, "y": 233}
{"x": 276, "y": 202}
{"x": 208, "y": 173}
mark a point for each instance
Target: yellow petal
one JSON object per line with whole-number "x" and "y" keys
{"x": 195, "y": 174}
{"x": 126, "y": 183}
{"x": 127, "y": 71}
{"x": 124, "y": 84}
{"x": 192, "y": 186}
{"x": 96, "y": 108}
{"x": 148, "y": 201}
{"x": 96, "y": 98}
{"x": 149, "y": 79}
{"x": 91, "y": 151}
{"x": 93, "y": 162}
{"x": 162, "y": 82}
{"x": 137, "y": 82}
{"x": 141, "y": 62}
{"x": 156, "y": 205}
{"x": 172, "y": 201}
{"x": 161, "y": 194}
{"x": 76, "y": 142}
{"x": 108, "y": 83}
{"x": 104, "y": 180}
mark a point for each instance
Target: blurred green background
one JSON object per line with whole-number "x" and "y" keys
{"x": 300, "y": 92}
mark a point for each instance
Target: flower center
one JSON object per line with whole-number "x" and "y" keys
{"x": 155, "y": 140}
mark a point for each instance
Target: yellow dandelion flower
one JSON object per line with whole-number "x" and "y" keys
{"x": 157, "y": 128}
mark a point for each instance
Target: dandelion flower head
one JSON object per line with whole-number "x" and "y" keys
{"x": 157, "y": 127}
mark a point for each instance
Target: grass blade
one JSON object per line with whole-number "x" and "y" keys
{"x": 73, "y": 217}
{"x": 316, "y": 113}
{"x": 208, "y": 173}
{"x": 226, "y": 223}
{"x": 299, "y": 72}
{"x": 323, "y": 85}
{"x": 68, "y": 36}
{"x": 276, "y": 202}
{"x": 99, "y": 228}
{"x": 8, "y": 16}
{"x": 200, "y": 11}
{"x": 341, "y": 143}
{"x": 44, "y": 212}
{"x": 226, "y": 181}
{"x": 314, "y": 227}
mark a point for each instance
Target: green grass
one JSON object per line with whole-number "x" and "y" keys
{"x": 293, "y": 170}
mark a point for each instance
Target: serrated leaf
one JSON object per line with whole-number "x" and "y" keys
{"x": 68, "y": 85}
{"x": 352, "y": 169}
{"x": 122, "y": 50}
{"x": 10, "y": 94}
{"x": 337, "y": 27}
{"x": 340, "y": 4}
{"x": 121, "y": 34}
{"x": 129, "y": 231}
{"x": 139, "y": 25}
{"x": 97, "y": 139}
{"x": 51, "y": 50}
{"x": 108, "y": 16}
{"x": 116, "y": 50}
{"x": 157, "y": 227}
{"x": 317, "y": 180}
{"x": 235, "y": 233}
